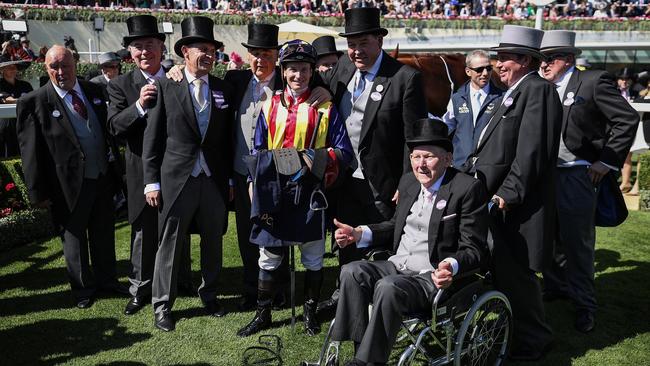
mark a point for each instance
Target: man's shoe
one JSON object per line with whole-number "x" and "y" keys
{"x": 165, "y": 321}
{"x": 327, "y": 306}
{"x": 550, "y": 296}
{"x": 585, "y": 321}
{"x": 260, "y": 322}
{"x": 84, "y": 302}
{"x": 213, "y": 308}
{"x": 247, "y": 303}
{"x": 135, "y": 304}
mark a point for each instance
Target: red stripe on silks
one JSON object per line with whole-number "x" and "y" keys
{"x": 290, "y": 127}
{"x": 311, "y": 125}
{"x": 270, "y": 120}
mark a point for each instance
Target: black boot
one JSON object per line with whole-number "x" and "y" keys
{"x": 262, "y": 319}
{"x": 313, "y": 284}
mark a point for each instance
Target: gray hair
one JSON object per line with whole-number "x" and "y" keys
{"x": 476, "y": 54}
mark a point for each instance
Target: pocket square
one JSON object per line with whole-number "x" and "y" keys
{"x": 448, "y": 217}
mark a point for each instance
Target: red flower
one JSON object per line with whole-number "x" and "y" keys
{"x": 9, "y": 187}
{"x": 5, "y": 212}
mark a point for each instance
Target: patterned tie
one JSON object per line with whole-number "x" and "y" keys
{"x": 361, "y": 85}
{"x": 78, "y": 104}
{"x": 198, "y": 96}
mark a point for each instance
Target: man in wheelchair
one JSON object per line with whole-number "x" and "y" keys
{"x": 438, "y": 232}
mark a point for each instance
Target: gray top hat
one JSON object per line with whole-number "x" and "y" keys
{"x": 582, "y": 61}
{"x": 107, "y": 57}
{"x": 521, "y": 40}
{"x": 559, "y": 41}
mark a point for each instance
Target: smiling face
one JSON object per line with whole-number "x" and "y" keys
{"x": 262, "y": 61}
{"x": 364, "y": 50}
{"x": 555, "y": 65}
{"x": 199, "y": 58}
{"x": 147, "y": 54}
{"x": 429, "y": 163}
{"x": 479, "y": 71}
{"x": 61, "y": 67}
{"x": 297, "y": 75}
{"x": 512, "y": 67}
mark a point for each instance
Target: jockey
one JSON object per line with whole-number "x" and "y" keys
{"x": 288, "y": 121}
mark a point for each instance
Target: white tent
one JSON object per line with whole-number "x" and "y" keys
{"x": 295, "y": 29}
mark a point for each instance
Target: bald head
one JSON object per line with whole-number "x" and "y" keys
{"x": 61, "y": 67}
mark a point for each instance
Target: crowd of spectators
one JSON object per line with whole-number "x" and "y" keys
{"x": 517, "y": 9}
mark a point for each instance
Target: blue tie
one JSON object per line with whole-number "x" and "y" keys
{"x": 361, "y": 85}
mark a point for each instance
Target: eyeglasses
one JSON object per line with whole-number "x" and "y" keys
{"x": 481, "y": 68}
{"x": 554, "y": 56}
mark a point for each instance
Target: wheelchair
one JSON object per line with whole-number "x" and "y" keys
{"x": 470, "y": 323}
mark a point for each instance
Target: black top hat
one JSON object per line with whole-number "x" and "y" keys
{"x": 142, "y": 26}
{"x": 196, "y": 29}
{"x": 262, "y": 36}
{"x": 20, "y": 64}
{"x": 427, "y": 131}
{"x": 325, "y": 45}
{"x": 624, "y": 73}
{"x": 362, "y": 21}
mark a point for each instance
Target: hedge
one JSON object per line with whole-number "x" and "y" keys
{"x": 78, "y": 13}
{"x": 644, "y": 182}
{"x": 26, "y": 225}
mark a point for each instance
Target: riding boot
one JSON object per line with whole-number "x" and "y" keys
{"x": 265, "y": 293}
{"x": 313, "y": 284}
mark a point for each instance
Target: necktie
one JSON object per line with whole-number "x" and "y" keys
{"x": 78, "y": 104}
{"x": 477, "y": 106}
{"x": 361, "y": 85}
{"x": 198, "y": 96}
{"x": 428, "y": 196}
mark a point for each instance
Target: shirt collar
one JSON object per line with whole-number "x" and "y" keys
{"x": 484, "y": 90}
{"x": 435, "y": 187}
{"x": 372, "y": 72}
{"x": 265, "y": 81}
{"x": 159, "y": 75}
{"x": 564, "y": 79}
{"x": 62, "y": 93}
{"x": 190, "y": 78}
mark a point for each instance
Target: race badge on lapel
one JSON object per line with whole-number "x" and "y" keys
{"x": 56, "y": 114}
{"x": 440, "y": 205}
{"x": 508, "y": 102}
{"x": 569, "y": 99}
{"x": 97, "y": 101}
{"x": 375, "y": 96}
{"x": 217, "y": 96}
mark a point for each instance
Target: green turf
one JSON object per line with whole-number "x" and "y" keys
{"x": 38, "y": 324}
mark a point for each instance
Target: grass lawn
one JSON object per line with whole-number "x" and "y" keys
{"x": 39, "y": 325}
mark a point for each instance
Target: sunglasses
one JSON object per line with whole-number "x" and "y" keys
{"x": 480, "y": 69}
{"x": 554, "y": 56}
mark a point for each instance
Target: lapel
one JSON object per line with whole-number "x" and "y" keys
{"x": 138, "y": 80}
{"x": 182, "y": 93}
{"x": 572, "y": 87}
{"x": 497, "y": 117}
{"x": 215, "y": 113}
{"x": 442, "y": 198}
{"x": 244, "y": 82}
{"x": 372, "y": 106}
{"x": 55, "y": 103}
{"x": 346, "y": 74}
{"x": 92, "y": 99}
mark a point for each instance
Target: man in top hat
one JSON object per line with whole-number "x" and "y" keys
{"x": 131, "y": 97}
{"x": 624, "y": 80}
{"x": 471, "y": 107}
{"x": 377, "y": 96}
{"x": 187, "y": 157}
{"x": 515, "y": 157}
{"x": 598, "y": 128}
{"x": 11, "y": 88}
{"x": 438, "y": 231}
{"x": 65, "y": 149}
{"x": 327, "y": 55}
{"x": 109, "y": 65}
{"x": 24, "y": 44}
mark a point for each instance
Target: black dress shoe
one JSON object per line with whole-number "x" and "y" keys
{"x": 550, "y": 296}
{"x": 213, "y": 308}
{"x": 247, "y": 303}
{"x": 165, "y": 321}
{"x": 327, "y": 306}
{"x": 585, "y": 321}
{"x": 84, "y": 302}
{"x": 135, "y": 304}
{"x": 260, "y": 322}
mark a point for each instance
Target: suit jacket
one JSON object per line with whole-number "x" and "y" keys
{"x": 383, "y": 153}
{"x": 516, "y": 159}
{"x": 51, "y": 154}
{"x": 125, "y": 123}
{"x": 599, "y": 125}
{"x": 239, "y": 80}
{"x": 172, "y": 139}
{"x": 462, "y": 236}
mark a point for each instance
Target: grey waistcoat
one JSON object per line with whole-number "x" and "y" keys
{"x": 203, "y": 119}
{"x": 91, "y": 138}
{"x": 353, "y": 116}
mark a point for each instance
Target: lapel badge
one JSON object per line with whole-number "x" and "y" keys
{"x": 570, "y": 95}
{"x": 56, "y": 114}
{"x": 569, "y": 101}
{"x": 375, "y": 96}
{"x": 379, "y": 88}
{"x": 440, "y": 205}
{"x": 97, "y": 101}
{"x": 508, "y": 102}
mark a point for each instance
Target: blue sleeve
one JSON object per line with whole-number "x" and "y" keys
{"x": 337, "y": 135}
{"x": 261, "y": 132}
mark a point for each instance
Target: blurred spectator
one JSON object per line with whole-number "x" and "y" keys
{"x": 109, "y": 64}
{"x": 24, "y": 43}
{"x": 222, "y": 57}
{"x": 41, "y": 54}
{"x": 582, "y": 64}
{"x": 10, "y": 90}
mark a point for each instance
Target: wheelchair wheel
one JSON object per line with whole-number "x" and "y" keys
{"x": 484, "y": 335}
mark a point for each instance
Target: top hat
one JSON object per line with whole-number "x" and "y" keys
{"x": 262, "y": 36}
{"x": 7, "y": 61}
{"x": 196, "y": 29}
{"x": 362, "y": 21}
{"x": 559, "y": 41}
{"x": 24, "y": 39}
{"x": 428, "y": 131}
{"x": 325, "y": 45}
{"x": 107, "y": 57}
{"x": 624, "y": 73}
{"x": 142, "y": 26}
{"x": 582, "y": 61}
{"x": 520, "y": 40}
